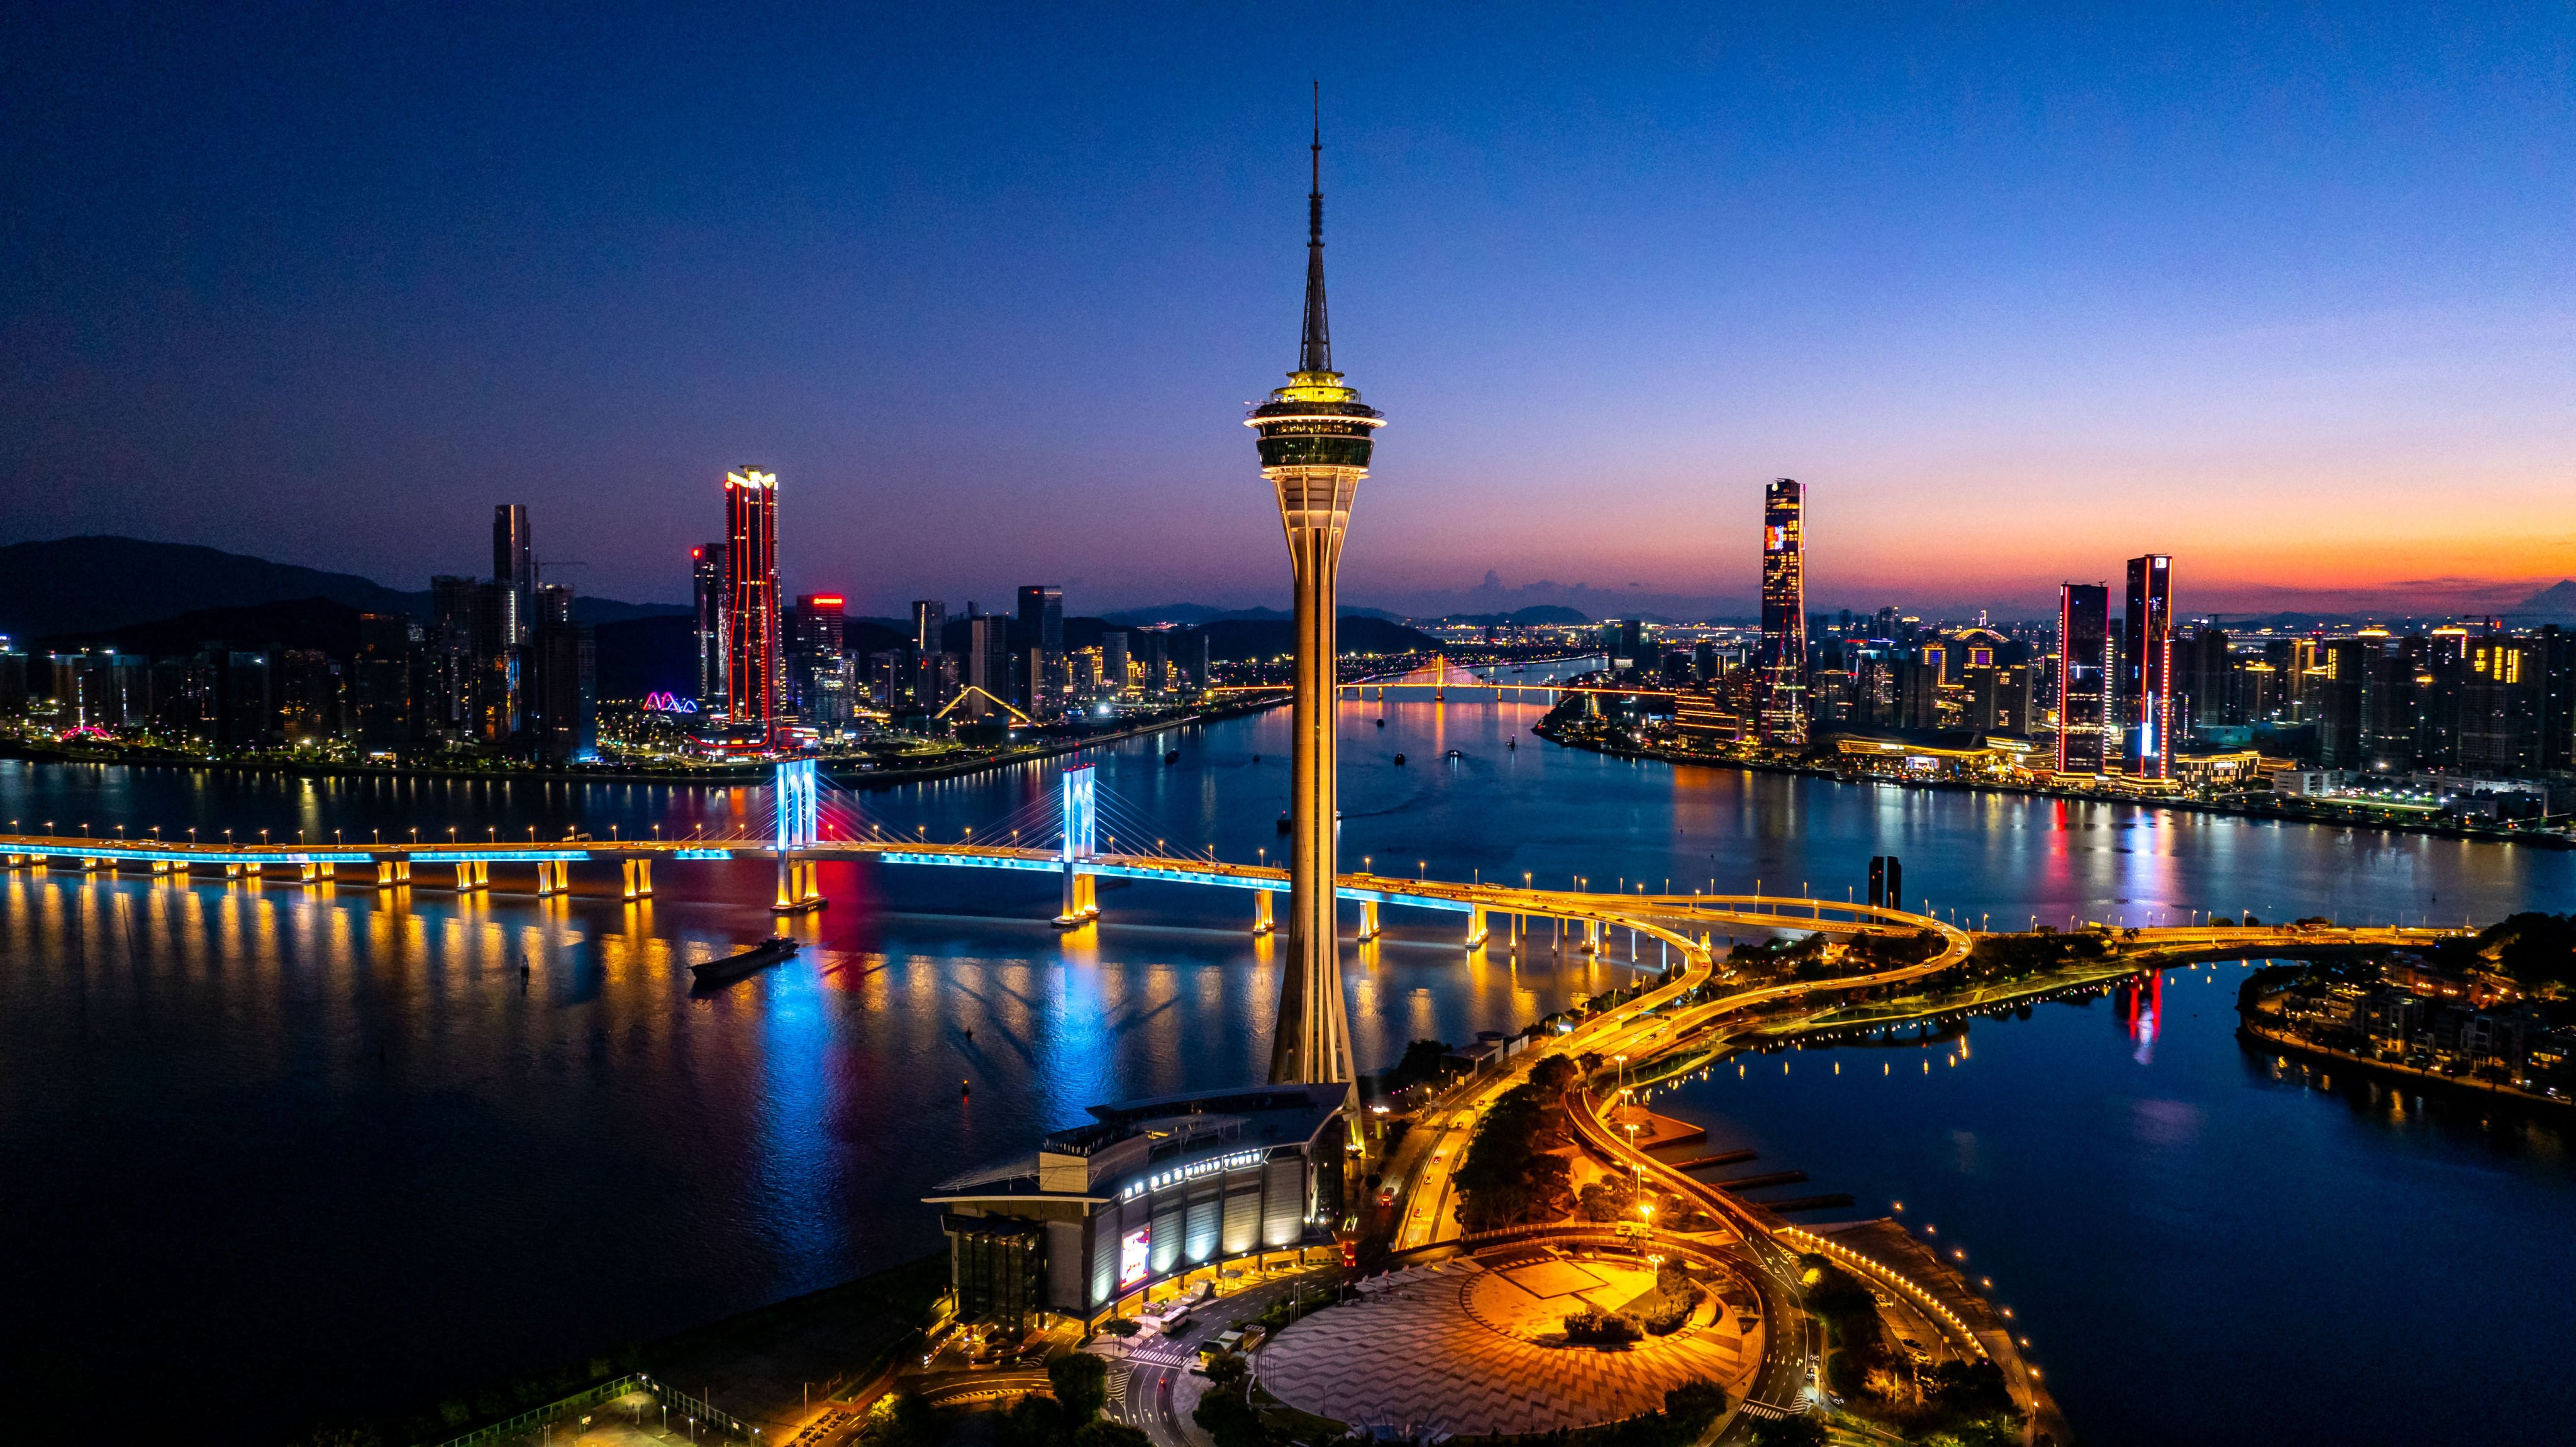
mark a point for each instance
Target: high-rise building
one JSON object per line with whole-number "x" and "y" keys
{"x": 1316, "y": 442}
{"x": 560, "y": 682}
{"x": 2347, "y": 665}
{"x": 514, "y": 569}
{"x": 1999, "y": 699}
{"x": 2083, "y": 676}
{"x": 929, "y": 626}
{"x": 708, "y": 588}
{"x": 988, "y": 660}
{"x": 1781, "y": 665}
{"x": 389, "y": 646}
{"x": 818, "y": 664}
{"x": 2146, "y": 669}
{"x": 2500, "y": 705}
{"x": 1042, "y": 617}
{"x": 1113, "y": 662}
{"x": 1041, "y": 645}
{"x": 752, "y": 681}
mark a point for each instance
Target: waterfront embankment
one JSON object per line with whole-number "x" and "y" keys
{"x": 2277, "y": 810}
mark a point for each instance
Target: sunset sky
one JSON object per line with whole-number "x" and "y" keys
{"x": 2019, "y": 292}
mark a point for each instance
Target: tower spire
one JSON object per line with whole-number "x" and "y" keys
{"x": 1316, "y": 354}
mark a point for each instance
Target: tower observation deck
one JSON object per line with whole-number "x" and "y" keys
{"x": 1316, "y": 437}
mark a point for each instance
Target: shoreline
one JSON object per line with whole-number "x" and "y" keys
{"x": 2275, "y": 814}
{"x": 2490, "y": 1090}
{"x": 731, "y": 776}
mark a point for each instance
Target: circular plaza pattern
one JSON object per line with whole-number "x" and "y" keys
{"x": 1476, "y": 1345}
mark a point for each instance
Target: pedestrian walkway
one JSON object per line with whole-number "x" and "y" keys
{"x": 1415, "y": 1355}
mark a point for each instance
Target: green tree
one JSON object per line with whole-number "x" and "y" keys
{"x": 1230, "y": 1419}
{"x": 1081, "y": 1384}
{"x": 900, "y": 1419}
{"x": 1105, "y": 1433}
{"x": 1032, "y": 1421}
{"x": 1801, "y": 1431}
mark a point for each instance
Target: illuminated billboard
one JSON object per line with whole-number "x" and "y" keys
{"x": 1133, "y": 1250}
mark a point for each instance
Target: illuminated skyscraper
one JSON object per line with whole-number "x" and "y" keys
{"x": 514, "y": 572}
{"x": 2083, "y": 675}
{"x": 2146, "y": 669}
{"x": 708, "y": 587}
{"x": 1781, "y": 667}
{"x": 751, "y": 597}
{"x": 1315, "y": 447}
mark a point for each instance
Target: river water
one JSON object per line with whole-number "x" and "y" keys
{"x": 270, "y": 1154}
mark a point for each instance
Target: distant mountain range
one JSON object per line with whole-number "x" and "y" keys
{"x": 77, "y": 591}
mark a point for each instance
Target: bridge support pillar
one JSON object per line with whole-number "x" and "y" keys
{"x": 470, "y": 876}
{"x": 797, "y": 890}
{"x": 308, "y": 873}
{"x": 1081, "y": 898}
{"x": 1476, "y": 927}
{"x": 1262, "y": 923}
{"x": 1592, "y": 936}
{"x": 385, "y": 874}
{"x": 639, "y": 878}
{"x": 1368, "y": 919}
{"x": 251, "y": 870}
{"x": 554, "y": 876}
{"x": 402, "y": 870}
{"x": 92, "y": 866}
{"x": 232, "y": 871}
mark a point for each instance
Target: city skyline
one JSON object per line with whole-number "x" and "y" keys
{"x": 1984, "y": 314}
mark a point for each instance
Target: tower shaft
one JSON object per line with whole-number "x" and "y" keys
{"x": 1313, "y": 1042}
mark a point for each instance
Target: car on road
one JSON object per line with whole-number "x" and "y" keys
{"x": 1386, "y": 1196}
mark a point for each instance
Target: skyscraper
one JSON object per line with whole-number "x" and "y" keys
{"x": 988, "y": 661}
{"x": 707, "y": 582}
{"x": 1781, "y": 667}
{"x": 2083, "y": 675}
{"x": 1315, "y": 447}
{"x": 929, "y": 626}
{"x": 751, "y": 598}
{"x": 1042, "y": 617}
{"x": 2146, "y": 669}
{"x": 514, "y": 572}
{"x": 1041, "y": 646}
{"x": 818, "y": 663}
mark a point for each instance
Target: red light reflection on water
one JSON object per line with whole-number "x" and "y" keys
{"x": 2141, "y": 1002}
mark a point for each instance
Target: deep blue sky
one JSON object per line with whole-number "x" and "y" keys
{"x": 2018, "y": 290}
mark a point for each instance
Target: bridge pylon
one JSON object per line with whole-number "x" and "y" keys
{"x": 1081, "y": 843}
{"x": 798, "y": 826}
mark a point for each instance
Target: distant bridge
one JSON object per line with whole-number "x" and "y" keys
{"x": 1062, "y": 837}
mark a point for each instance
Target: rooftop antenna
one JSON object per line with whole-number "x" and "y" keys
{"x": 1316, "y": 355}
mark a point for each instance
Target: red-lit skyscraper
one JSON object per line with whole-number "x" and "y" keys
{"x": 751, "y": 593}
{"x": 2083, "y": 675}
{"x": 2146, "y": 669}
{"x": 1781, "y": 667}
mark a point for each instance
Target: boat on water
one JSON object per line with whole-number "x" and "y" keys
{"x": 733, "y": 967}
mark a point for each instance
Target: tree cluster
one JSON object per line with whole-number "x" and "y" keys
{"x": 1509, "y": 1177}
{"x": 1070, "y": 1417}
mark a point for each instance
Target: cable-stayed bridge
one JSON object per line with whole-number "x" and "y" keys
{"x": 1080, "y": 831}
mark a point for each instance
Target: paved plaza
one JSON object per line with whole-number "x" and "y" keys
{"x": 1470, "y": 1348}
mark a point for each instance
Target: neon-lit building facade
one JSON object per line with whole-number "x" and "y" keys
{"x": 1781, "y": 665}
{"x": 2083, "y": 676}
{"x": 751, "y": 598}
{"x": 1147, "y": 1190}
{"x": 2146, "y": 670}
